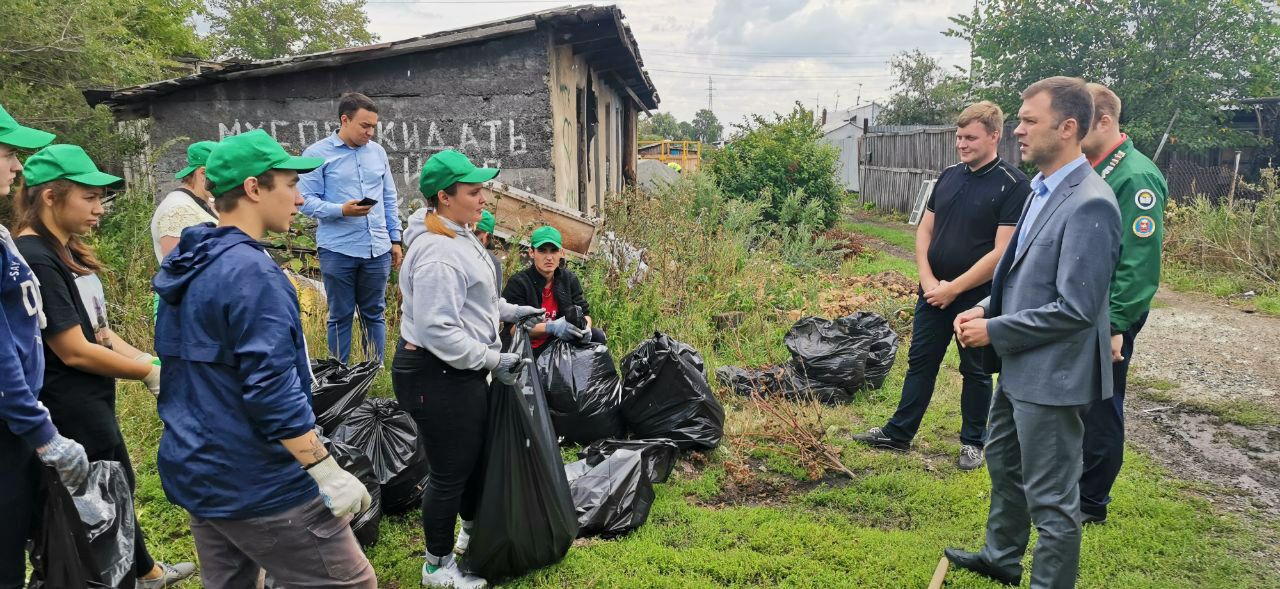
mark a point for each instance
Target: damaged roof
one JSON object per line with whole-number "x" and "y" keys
{"x": 597, "y": 32}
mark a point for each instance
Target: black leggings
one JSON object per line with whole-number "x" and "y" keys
{"x": 450, "y": 407}
{"x": 19, "y": 504}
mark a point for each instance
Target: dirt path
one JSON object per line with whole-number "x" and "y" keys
{"x": 1194, "y": 357}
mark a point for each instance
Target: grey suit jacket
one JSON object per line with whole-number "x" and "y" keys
{"x": 1052, "y": 331}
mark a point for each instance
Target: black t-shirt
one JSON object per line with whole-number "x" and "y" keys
{"x": 82, "y": 405}
{"x": 968, "y": 206}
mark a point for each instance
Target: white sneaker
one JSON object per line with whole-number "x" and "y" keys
{"x": 464, "y": 538}
{"x": 447, "y": 574}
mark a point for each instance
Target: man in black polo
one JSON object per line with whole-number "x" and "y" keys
{"x": 968, "y": 221}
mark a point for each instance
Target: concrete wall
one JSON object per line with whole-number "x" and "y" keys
{"x": 587, "y": 173}
{"x": 489, "y": 100}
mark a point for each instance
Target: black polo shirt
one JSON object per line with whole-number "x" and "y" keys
{"x": 968, "y": 206}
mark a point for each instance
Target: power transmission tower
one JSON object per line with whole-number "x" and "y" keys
{"x": 710, "y": 93}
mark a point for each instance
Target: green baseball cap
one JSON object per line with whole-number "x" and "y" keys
{"x": 197, "y": 155}
{"x": 486, "y": 222}
{"x": 251, "y": 154}
{"x": 443, "y": 169}
{"x": 11, "y": 133}
{"x": 544, "y": 235}
{"x": 70, "y": 162}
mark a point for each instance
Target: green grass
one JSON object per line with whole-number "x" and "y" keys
{"x": 885, "y": 528}
{"x": 904, "y": 237}
{"x": 1238, "y": 411}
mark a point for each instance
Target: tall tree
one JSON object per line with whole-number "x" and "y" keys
{"x": 1193, "y": 56}
{"x": 266, "y": 29}
{"x": 706, "y": 127}
{"x": 662, "y": 125}
{"x": 924, "y": 93}
{"x": 52, "y": 50}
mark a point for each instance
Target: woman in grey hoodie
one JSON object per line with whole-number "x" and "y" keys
{"x": 448, "y": 347}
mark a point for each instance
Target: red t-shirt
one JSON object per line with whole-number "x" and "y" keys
{"x": 553, "y": 312}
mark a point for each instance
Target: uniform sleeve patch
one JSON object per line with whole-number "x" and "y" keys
{"x": 1145, "y": 199}
{"x": 1144, "y": 226}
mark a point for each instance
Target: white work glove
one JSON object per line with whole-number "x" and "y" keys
{"x": 68, "y": 457}
{"x": 564, "y": 330}
{"x": 508, "y": 368}
{"x": 342, "y": 492}
{"x": 152, "y": 379}
{"x": 523, "y": 312}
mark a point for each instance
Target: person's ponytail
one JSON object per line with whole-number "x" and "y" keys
{"x": 435, "y": 224}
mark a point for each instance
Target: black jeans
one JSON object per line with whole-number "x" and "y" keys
{"x": 451, "y": 409}
{"x": 142, "y": 561}
{"x": 19, "y": 504}
{"x": 1104, "y": 434}
{"x": 931, "y": 334}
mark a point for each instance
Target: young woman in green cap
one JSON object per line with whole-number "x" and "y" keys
{"x": 546, "y": 283}
{"x": 63, "y": 201}
{"x": 448, "y": 347}
{"x": 187, "y": 205}
{"x": 28, "y": 436}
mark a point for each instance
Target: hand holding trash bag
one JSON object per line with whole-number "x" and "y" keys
{"x": 342, "y": 492}
{"x": 561, "y": 328}
{"x": 508, "y": 368}
{"x": 68, "y": 457}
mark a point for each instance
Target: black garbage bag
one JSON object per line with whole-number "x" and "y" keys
{"x": 665, "y": 395}
{"x": 659, "y": 455}
{"x": 60, "y": 556}
{"x": 824, "y": 351}
{"x": 787, "y": 380}
{"x": 321, "y": 369}
{"x": 341, "y": 389}
{"x": 583, "y": 391}
{"x": 882, "y": 343}
{"x": 613, "y": 496}
{"x": 354, "y": 461}
{"x": 105, "y": 506}
{"x": 525, "y": 518}
{"x": 388, "y": 436}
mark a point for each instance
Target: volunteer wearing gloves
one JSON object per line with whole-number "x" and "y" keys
{"x": 63, "y": 201}
{"x": 449, "y": 346}
{"x": 27, "y": 432}
{"x": 546, "y": 283}
{"x": 238, "y": 450}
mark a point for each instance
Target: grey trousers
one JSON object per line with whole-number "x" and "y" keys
{"x": 1034, "y": 456}
{"x": 304, "y": 546}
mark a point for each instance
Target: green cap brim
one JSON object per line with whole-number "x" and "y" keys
{"x": 479, "y": 175}
{"x": 545, "y": 241}
{"x": 301, "y": 164}
{"x": 184, "y": 172}
{"x": 97, "y": 179}
{"x": 27, "y": 138}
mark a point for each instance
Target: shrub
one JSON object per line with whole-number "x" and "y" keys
{"x": 769, "y": 161}
{"x": 1230, "y": 237}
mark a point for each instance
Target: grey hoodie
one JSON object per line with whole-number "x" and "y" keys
{"x": 450, "y": 301}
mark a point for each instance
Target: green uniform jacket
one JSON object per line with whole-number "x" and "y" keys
{"x": 1141, "y": 191}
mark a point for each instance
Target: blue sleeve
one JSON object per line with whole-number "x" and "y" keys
{"x": 19, "y": 409}
{"x": 264, "y": 323}
{"x": 311, "y": 185}
{"x": 390, "y": 201}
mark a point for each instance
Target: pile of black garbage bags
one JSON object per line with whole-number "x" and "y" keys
{"x": 831, "y": 361}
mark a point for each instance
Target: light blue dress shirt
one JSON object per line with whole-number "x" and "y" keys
{"x": 351, "y": 173}
{"x": 1041, "y": 188}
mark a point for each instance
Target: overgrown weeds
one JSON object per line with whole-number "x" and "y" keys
{"x": 1237, "y": 238}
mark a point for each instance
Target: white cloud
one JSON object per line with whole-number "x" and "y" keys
{"x": 814, "y": 49}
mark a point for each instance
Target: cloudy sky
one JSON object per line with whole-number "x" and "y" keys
{"x": 761, "y": 55}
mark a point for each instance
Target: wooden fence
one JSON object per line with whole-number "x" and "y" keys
{"x": 896, "y": 160}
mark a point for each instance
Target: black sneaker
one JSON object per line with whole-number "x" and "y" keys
{"x": 1087, "y": 518}
{"x": 876, "y": 438}
{"x": 970, "y": 457}
{"x": 971, "y": 561}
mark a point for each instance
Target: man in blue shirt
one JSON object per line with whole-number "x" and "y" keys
{"x": 353, "y": 198}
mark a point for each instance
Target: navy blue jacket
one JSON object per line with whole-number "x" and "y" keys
{"x": 234, "y": 378}
{"x": 22, "y": 361}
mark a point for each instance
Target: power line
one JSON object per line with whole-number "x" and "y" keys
{"x": 770, "y": 76}
{"x": 776, "y": 54}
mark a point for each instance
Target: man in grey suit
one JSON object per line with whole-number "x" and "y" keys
{"x": 1047, "y": 322}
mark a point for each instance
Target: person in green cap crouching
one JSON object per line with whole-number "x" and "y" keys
{"x": 28, "y": 436}
{"x": 84, "y": 357}
{"x": 547, "y": 284}
{"x": 185, "y": 206}
{"x": 239, "y": 450}
{"x": 448, "y": 347}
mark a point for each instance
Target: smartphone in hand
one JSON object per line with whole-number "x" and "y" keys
{"x": 366, "y": 202}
